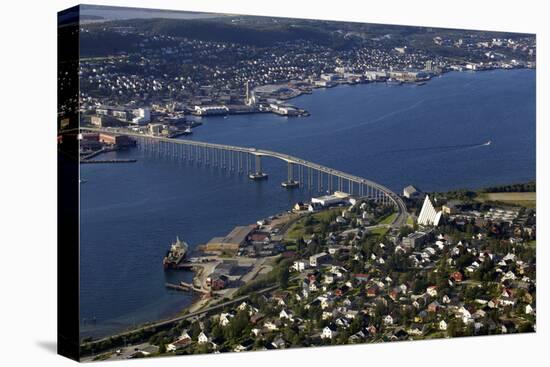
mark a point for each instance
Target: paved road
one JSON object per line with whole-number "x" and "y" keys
{"x": 181, "y": 318}
{"x": 125, "y": 352}
{"x": 402, "y": 210}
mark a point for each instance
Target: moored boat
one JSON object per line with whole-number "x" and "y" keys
{"x": 176, "y": 254}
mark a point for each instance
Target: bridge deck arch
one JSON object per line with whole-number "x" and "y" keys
{"x": 235, "y": 157}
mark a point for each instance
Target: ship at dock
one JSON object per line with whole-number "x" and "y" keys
{"x": 178, "y": 251}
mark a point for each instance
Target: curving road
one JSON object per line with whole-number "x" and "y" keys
{"x": 399, "y": 221}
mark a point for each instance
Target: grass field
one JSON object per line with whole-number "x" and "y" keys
{"x": 526, "y": 199}
{"x": 298, "y": 230}
{"x": 379, "y": 231}
{"x": 295, "y": 232}
{"x": 326, "y": 215}
{"x": 389, "y": 219}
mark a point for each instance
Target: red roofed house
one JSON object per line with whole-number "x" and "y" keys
{"x": 457, "y": 276}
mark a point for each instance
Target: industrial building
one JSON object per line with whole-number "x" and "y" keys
{"x": 283, "y": 110}
{"x": 235, "y": 239}
{"x": 138, "y": 116}
{"x": 118, "y": 140}
{"x": 104, "y": 121}
{"x": 211, "y": 110}
{"x": 334, "y": 199}
{"x": 411, "y": 192}
{"x": 414, "y": 239}
{"x": 317, "y": 259}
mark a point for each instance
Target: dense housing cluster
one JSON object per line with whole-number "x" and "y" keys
{"x": 144, "y": 66}
{"x": 346, "y": 276}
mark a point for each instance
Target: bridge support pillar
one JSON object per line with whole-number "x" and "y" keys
{"x": 290, "y": 183}
{"x": 258, "y": 174}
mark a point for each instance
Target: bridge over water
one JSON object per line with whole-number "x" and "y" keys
{"x": 244, "y": 160}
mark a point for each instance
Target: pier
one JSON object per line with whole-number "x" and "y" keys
{"x": 108, "y": 161}
{"x": 96, "y": 153}
{"x": 186, "y": 287}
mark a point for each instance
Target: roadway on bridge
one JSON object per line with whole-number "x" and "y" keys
{"x": 399, "y": 221}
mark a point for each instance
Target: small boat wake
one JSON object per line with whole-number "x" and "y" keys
{"x": 442, "y": 148}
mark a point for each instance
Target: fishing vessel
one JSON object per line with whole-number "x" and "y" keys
{"x": 176, "y": 254}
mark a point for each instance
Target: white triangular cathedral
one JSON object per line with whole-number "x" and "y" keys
{"x": 428, "y": 215}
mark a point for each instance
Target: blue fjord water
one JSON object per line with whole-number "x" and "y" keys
{"x": 430, "y": 136}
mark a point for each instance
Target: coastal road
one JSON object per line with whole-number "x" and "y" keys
{"x": 179, "y": 318}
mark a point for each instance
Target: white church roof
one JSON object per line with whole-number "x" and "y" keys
{"x": 428, "y": 215}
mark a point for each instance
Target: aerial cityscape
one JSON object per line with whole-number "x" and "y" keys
{"x": 257, "y": 183}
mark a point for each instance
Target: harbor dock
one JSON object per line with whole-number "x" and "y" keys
{"x": 108, "y": 161}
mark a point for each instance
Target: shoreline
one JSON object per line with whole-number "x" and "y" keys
{"x": 312, "y": 88}
{"x": 195, "y": 302}
{"x": 198, "y": 303}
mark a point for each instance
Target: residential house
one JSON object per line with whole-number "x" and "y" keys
{"x": 203, "y": 338}
{"x": 329, "y": 332}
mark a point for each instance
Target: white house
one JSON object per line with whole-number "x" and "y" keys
{"x": 285, "y": 315}
{"x": 432, "y": 291}
{"x": 182, "y": 341}
{"x": 466, "y": 315}
{"x": 326, "y": 303}
{"x": 225, "y": 318}
{"x": 508, "y": 276}
{"x": 270, "y": 326}
{"x": 299, "y": 265}
{"x": 203, "y": 338}
{"x": 170, "y": 348}
{"x": 313, "y": 287}
{"x": 328, "y": 332}
{"x": 388, "y": 320}
{"x": 442, "y": 325}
